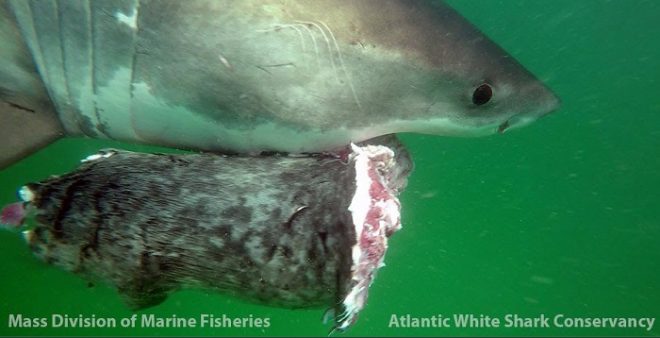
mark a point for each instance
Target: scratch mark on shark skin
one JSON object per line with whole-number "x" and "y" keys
{"x": 327, "y": 43}
{"x": 300, "y": 35}
{"x": 225, "y": 62}
{"x": 265, "y": 67}
{"x": 297, "y": 27}
{"x": 343, "y": 66}
{"x": 320, "y": 26}
{"x": 316, "y": 48}
{"x": 291, "y": 64}
{"x": 19, "y": 107}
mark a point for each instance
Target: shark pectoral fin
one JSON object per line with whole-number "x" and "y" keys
{"x": 24, "y": 131}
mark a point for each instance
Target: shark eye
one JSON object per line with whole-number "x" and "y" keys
{"x": 482, "y": 94}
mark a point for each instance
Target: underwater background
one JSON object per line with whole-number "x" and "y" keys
{"x": 562, "y": 216}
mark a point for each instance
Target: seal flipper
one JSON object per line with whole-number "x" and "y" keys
{"x": 141, "y": 294}
{"x": 12, "y": 215}
{"x": 144, "y": 285}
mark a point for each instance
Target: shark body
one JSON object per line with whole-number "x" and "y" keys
{"x": 251, "y": 76}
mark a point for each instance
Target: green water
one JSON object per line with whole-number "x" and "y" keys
{"x": 561, "y": 217}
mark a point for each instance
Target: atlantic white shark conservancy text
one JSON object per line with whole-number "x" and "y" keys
{"x": 518, "y": 321}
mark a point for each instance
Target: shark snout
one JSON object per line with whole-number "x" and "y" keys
{"x": 546, "y": 102}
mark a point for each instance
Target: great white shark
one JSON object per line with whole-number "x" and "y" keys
{"x": 250, "y": 76}
{"x": 328, "y": 82}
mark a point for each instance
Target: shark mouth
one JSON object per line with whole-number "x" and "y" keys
{"x": 375, "y": 212}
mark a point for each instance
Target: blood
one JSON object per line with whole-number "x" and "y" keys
{"x": 373, "y": 245}
{"x": 376, "y": 190}
{"x": 13, "y": 214}
{"x": 373, "y": 217}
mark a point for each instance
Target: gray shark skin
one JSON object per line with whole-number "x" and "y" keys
{"x": 249, "y": 76}
{"x": 280, "y": 230}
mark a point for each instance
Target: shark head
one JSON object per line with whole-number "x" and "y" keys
{"x": 457, "y": 81}
{"x": 481, "y": 89}
{"x": 494, "y": 95}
